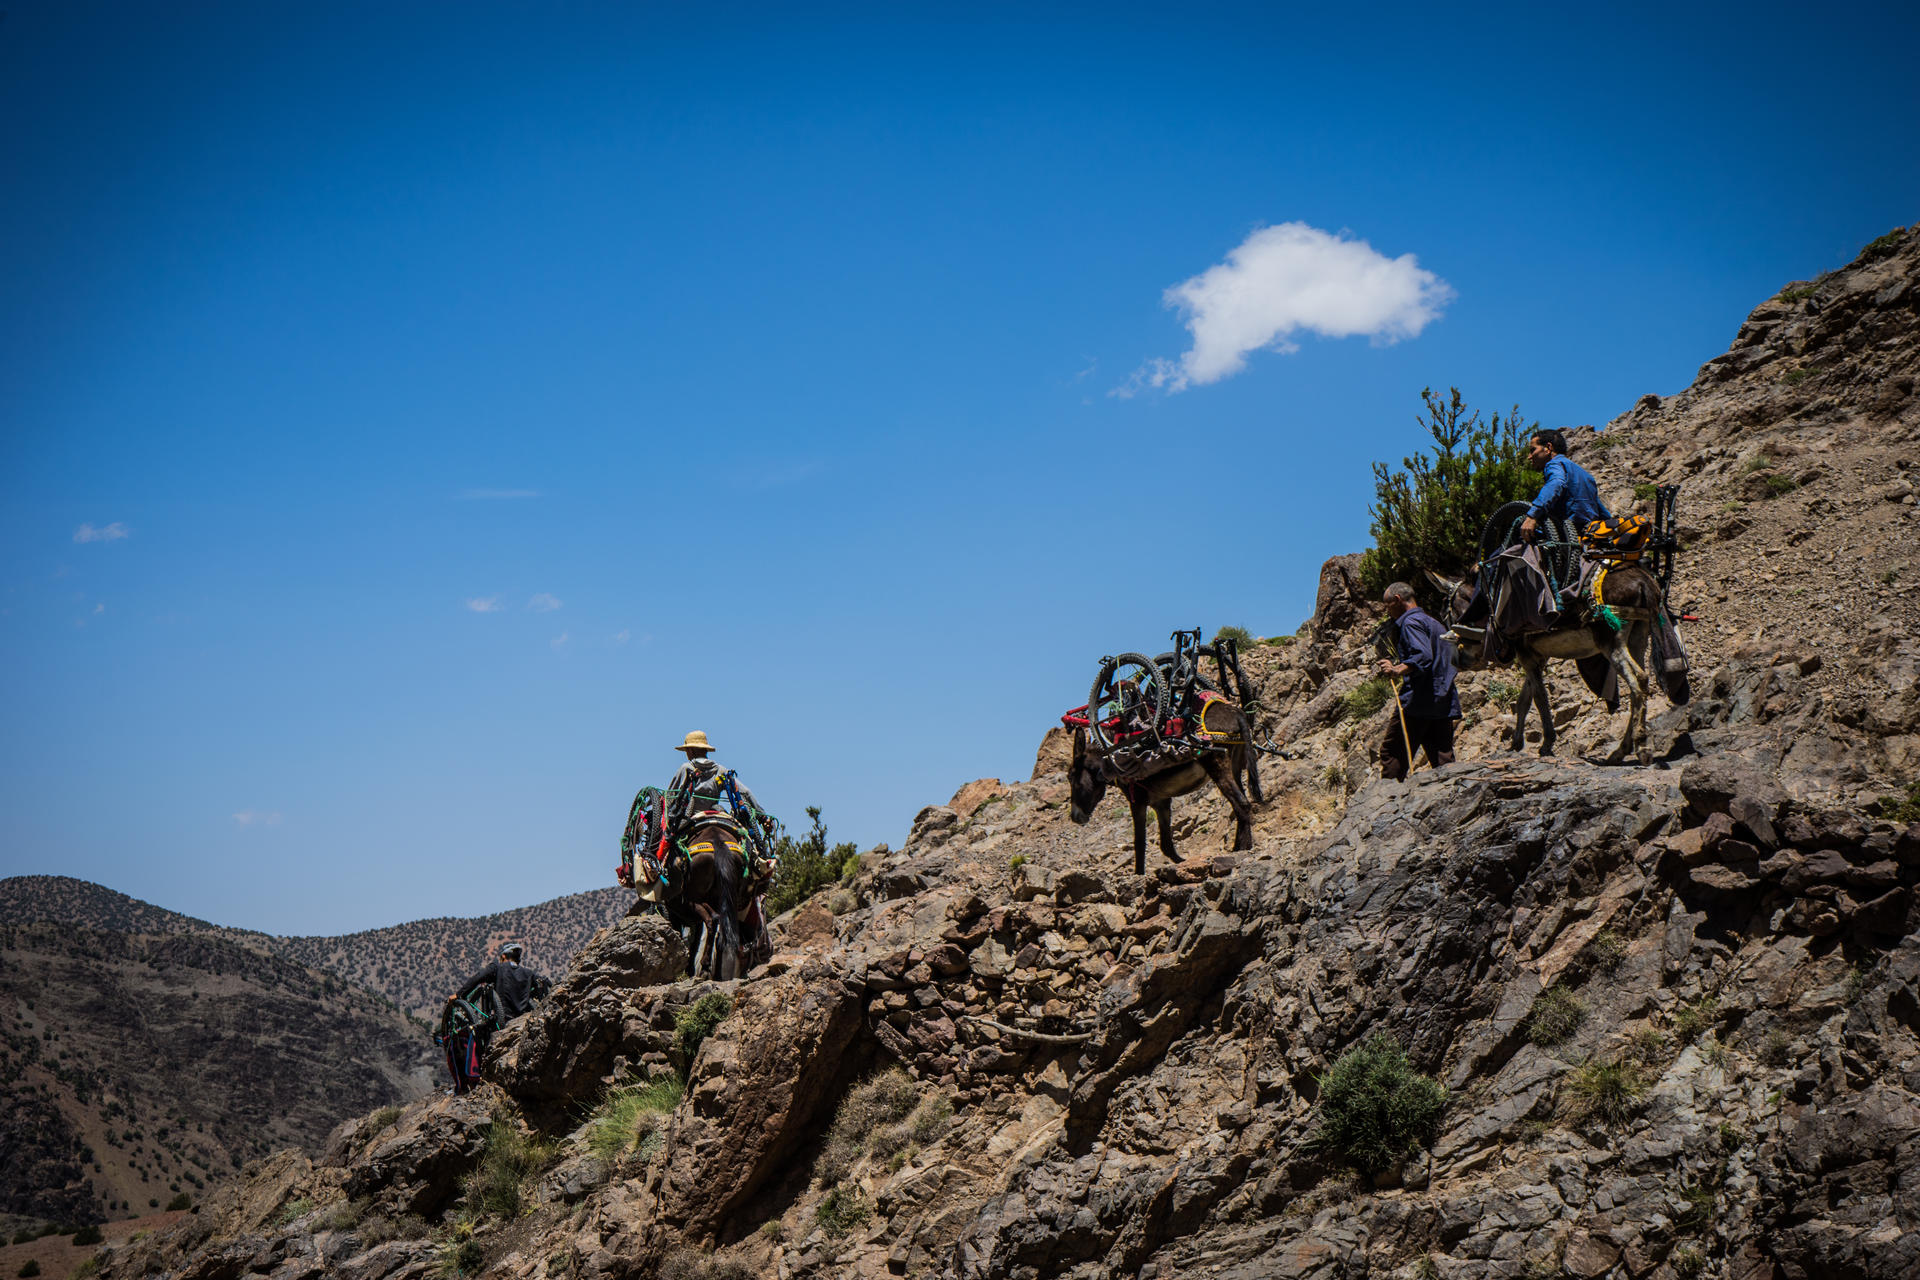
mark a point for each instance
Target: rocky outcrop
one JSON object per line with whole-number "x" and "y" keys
{"x": 1675, "y": 1011}
{"x": 608, "y": 1016}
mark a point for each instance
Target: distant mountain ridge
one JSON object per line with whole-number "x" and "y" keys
{"x": 414, "y": 964}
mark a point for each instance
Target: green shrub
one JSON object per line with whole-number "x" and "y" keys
{"x": 1604, "y": 441}
{"x": 1503, "y": 693}
{"x": 1688, "y": 1262}
{"x": 1775, "y": 1049}
{"x": 346, "y": 1215}
{"x": 1017, "y": 861}
{"x": 179, "y": 1202}
{"x": 1881, "y": 246}
{"x": 807, "y": 865}
{"x": 1556, "y": 1015}
{"x": 296, "y": 1210}
{"x": 509, "y": 1160}
{"x": 1608, "y": 949}
{"x": 462, "y": 1258}
{"x": 1691, "y": 1019}
{"x": 382, "y": 1119}
{"x": 31, "y": 1267}
{"x": 843, "y": 1209}
{"x": 1239, "y": 635}
{"x": 628, "y": 1113}
{"x": 1429, "y": 515}
{"x": 1796, "y": 293}
{"x": 1374, "y": 1108}
{"x": 697, "y": 1021}
{"x": 1778, "y": 484}
{"x": 1365, "y": 698}
{"x": 1645, "y": 492}
{"x": 1758, "y": 462}
{"x": 1608, "y": 1088}
{"x": 87, "y": 1235}
{"x": 1904, "y": 810}
{"x": 1697, "y": 1217}
{"x": 869, "y": 1107}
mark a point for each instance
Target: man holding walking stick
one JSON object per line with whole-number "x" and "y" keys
{"x": 1423, "y": 677}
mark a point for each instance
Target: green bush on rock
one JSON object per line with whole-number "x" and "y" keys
{"x": 1375, "y": 1108}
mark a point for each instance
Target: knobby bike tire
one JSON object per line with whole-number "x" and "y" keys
{"x": 1100, "y": 692}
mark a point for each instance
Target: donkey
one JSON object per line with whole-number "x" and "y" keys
{"x": 1632, "y": 593}
{"x": 707, "y": 898}
{"x": 1157, "y": 790}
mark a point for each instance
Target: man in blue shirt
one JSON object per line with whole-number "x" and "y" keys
{"x": 1569, "y": 492}
{"x": 1428, "y": 699}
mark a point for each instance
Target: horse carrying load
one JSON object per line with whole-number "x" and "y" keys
{"x": 1159, "y": 728}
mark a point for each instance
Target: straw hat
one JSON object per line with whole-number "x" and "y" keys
{"x": 696, "y": 741}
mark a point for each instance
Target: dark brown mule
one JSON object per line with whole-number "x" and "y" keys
{"x": 1157, "y": 790}
{"x": 707, "y": 895}
{"x": 1632, "y": 593}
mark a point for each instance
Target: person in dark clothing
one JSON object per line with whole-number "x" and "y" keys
{"x": 516, "y": 986}
{"x": 1569, "y": 491}
{"x": 1428, "y": 700}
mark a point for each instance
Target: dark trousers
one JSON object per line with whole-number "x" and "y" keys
{"x": 1434, "y": 735}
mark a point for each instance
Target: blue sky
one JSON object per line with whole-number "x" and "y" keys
{"x": 415, "y": 422}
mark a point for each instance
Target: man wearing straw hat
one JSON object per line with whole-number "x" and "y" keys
{"x": 1423, "y": 677}
{"x": 696, "y": 786}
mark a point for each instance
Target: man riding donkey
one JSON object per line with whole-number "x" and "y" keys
{"x": 1581, "y": 593}
{"x": 702, "y": 854}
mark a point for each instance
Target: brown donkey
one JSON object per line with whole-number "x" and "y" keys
{"x": 1634, "y": 595}
{"x": 1156, "y": 791}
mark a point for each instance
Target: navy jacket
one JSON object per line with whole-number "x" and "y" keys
{"x": 1569, "y": 494}
{"x": 1426, "y": 692}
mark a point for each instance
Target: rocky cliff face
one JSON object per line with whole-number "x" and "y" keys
{"x": 1675, "y": 1011}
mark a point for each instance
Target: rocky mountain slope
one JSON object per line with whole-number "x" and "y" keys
{"x": 1671, "y": 1015}
{"x": 413, "y": 964}
{"x": 148, "y": 1054}
{"x": 140, "y": 1066}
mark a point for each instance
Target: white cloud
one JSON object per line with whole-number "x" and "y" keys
{"x": 99, "y": 608}
{"x": 256, "y": 818}
{"x": 560, "y": 641}
{"x": 484, "y": 604}
{"x": 489, "y": 495}
{"x": 109, "y": 533}
{"x": 543, "y": 603}
{"x": 1286, "y": 280}
{"x": 622, "y": 636}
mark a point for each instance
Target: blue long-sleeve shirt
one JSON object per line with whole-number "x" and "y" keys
{"x": 1569, "y": 494}
{"x": 1427, "y": 691}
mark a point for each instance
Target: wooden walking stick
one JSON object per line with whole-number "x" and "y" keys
{"x": 1399, "y": 708}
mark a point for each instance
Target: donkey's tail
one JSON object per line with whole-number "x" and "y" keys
{"x": 726, "y": 892}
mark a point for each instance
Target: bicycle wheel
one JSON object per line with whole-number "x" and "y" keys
{"x": 1128, "y": 702}
{"x": 1502, "y": 528}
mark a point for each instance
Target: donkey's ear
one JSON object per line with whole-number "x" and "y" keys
{"x": 1079, "y": 745}
{"x": 1447, "y": 586}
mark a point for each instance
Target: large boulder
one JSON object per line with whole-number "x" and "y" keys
{"x": 763, "y": 1083}
{"x": 604, "y": 1009}
{"x": 418, "y": 1168}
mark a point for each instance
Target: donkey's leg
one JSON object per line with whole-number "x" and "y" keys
{"x": 1138, "y": 806}
{"x": 1164, "y": 813}
{"x": 1633, "y": 678}
{"x": 1252, "y": 756}
{"x": 1521, "y": 704}
{"x": 1639, "y": 636}
{"x": 1537, "y": 683}
{"x": 1222, "y": 774}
